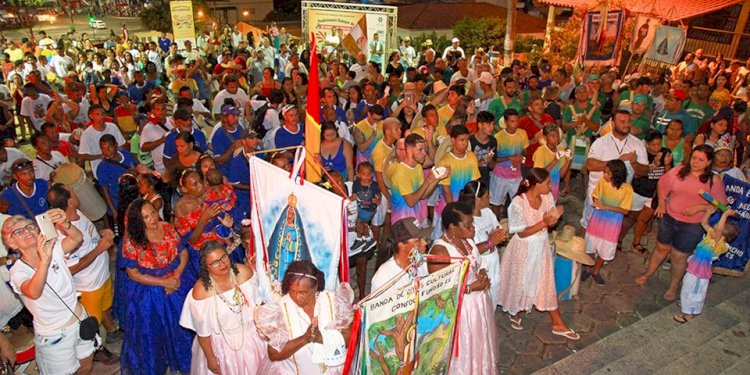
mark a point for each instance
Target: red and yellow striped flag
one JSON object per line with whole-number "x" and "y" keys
{"x": 312, "y": 118}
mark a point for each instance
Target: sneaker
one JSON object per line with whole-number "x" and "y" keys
{"x": 114, "y": 337}
{"x": 667, "y": 265}
{"x": 585, "y": 275}
{"x": 369, "y": 244}
{"x": 597, "y": 279}
{"x": 106, "y": 357}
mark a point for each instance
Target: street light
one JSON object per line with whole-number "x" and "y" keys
{"x": 200, "y": 13}
{"x": 245, "y": 13}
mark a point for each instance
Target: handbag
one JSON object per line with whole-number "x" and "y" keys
{"x": 89, "y": 326}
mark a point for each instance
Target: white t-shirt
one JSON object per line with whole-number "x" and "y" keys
{"x": 271, "y": 120}
{"x": 90, "y": 142}
{"x": 96, "y": 274}
{"x": 152, "y": 132}
{"x": 239, "y": 98}
{"x": 36, "y": 110}
{"x": 43, "y": 168}
{"x": 50, "y": 311}
{"x": 389, "y": 270}
{"x": 609, "y": 148}
{"x": 360, "y": 71}
{"x": 83, "y": 112}
{"x": 9, "y": 304}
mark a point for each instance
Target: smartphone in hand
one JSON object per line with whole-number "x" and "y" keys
{"x": 46, "y": 227}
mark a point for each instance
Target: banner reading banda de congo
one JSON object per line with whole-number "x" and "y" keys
{"x": 735, "y": 261}
{"x": 183, "y": 26}
{"x": 410, "y": 331}
{"x": 346, "y": 31}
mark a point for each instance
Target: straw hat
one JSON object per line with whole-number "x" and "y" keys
{"x": 438, "y": 87}
{"x": 567, "y": 233}
{"x": 574, "y": 249}
{"x": 443, "y": 149}
{"x": 504, "y": 223}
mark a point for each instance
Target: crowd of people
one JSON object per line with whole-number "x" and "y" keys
{"x": 434, "y": 152}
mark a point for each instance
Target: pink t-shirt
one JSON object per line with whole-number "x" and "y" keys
{"x": 682, "y": 194}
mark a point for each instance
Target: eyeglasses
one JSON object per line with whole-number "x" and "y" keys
{"x": 215, "y": 264}
{"x": 31, "y": 228}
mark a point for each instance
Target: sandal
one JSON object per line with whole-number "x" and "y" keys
{"x": 569, "y": 334}
{"x": 515, "y": 323}
{"x": 681, "y": 318}
{"x": 639, "y": 248}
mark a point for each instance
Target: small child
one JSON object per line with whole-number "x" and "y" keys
{"x": 141, "y": 120}
{"x": 218, "y": 190}
{"x": 612, "y": 199}
{"x": 367, "y": 195}
{"x": 698, "y": 274}
{"x": 552, "y": 157}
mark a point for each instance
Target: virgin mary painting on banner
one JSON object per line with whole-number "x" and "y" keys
{"x": 294, "y": 220}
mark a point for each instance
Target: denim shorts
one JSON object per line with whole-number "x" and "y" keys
{"x": 684, "y": 237}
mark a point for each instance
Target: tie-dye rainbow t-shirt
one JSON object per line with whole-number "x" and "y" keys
{"x": 406, "y": 180}
{"x": 543, "y": 156}
{"x": 700, "y": 264}
{"x": 367, "y": 130}
{"x": 605, "y": 224}
{"x": 463, "y": 170}
{"x": 509, "y": 145}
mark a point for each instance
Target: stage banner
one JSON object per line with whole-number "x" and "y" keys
{"x": 735, "y": 261}
{"x": 601, "y": 37}
{"x": 411, "y": 330}
{"x": 293, "y": 220}
{"x": 644, "y": 32}
{"x": 667, "y": 45}
{"x": 183, "y": 26}
{"x": 350, "y": 31}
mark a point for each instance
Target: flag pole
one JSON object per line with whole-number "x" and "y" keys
{"x": 312, "y": 117}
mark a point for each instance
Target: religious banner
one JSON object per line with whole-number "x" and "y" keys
{"x": 667, "y": 45}
{"x": 183, "y": 26}
{"x": 735, "y": 262}
{"x": 293, "y": 220}
{"x": 644, "y": 31}
{"x": 601, "y": 37}
{"x": 410, "y": 330}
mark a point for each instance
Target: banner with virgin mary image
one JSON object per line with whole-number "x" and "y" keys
{"x": 601, "y": 37}
{"x": 293, "y": 220}
{"x": 667, "y": 45}
{"x": 410, "y": 330}
{"x": 643, "y": 33}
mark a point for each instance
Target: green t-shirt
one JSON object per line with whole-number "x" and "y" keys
{"x": 595, "y": 117}
{"x": 135, "y": 149}
{"x": 700, "y": 112}
{"x": 627, "y": 96}
{"x": 643, "y": 123}
{"x": 498, "y": 106}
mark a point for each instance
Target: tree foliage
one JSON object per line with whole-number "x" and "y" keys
{"x": 480, "y": 32}
{"x": 159, "y": 16}
{"x": 439, "y": 42}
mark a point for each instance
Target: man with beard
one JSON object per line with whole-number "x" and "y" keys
{"x": 640, "y": 121}
{"x": 506, "y": 99}
{"x": 618, "y": 144}
{"x": 697, "y": 104}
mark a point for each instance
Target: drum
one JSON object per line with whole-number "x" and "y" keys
{"x": 73, "y": 177}
{"x": 24, "y": 345}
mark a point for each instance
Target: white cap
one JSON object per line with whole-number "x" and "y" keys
{"x": 454, "y": 40}
{"x": 486, "y": 77}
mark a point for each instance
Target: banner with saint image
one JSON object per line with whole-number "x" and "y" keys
{"x": 601, "y": 37}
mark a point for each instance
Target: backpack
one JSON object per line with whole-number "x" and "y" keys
{"x": 260, "y": 116}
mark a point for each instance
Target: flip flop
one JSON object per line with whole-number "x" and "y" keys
{"x": 680, "y": 318}
{"x": 639, "y": 248}
{"x": 515, "y": 323}
{"x": 569, "y": 334}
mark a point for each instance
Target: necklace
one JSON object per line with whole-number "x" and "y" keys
{"x": 464, "y": 251}
{"x": 236, "y": 308}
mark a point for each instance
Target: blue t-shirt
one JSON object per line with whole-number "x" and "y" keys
{"x": 170, "y": 148}
{"x": 358, "y": 112}
{"x": 108, "y": 174}
{"x": 239, "y": 173}
{"x": 164, "y": 44}
{"x": 285, "y": 138}
{"x": 221, "y": 141}
{"x": 138, "y": 94}
{"x": 37, "y": 203}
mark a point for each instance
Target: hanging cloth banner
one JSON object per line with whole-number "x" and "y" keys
{"x": 293, "y": 220}
{"x": 668, "y": 44}
{"x": 601, "y": 37}
{"x": 644, "y": 32}
{"x": 736, "y": 261}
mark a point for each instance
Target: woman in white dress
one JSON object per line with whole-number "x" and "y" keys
{"x": 220, "y": 309}
{"x": 307, "y": 328}
{"x": 477, "y": 318}
{"x": 527, "y": 270}
{"x": 487, "y": 232}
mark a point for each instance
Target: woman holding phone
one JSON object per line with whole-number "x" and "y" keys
{"x": 45, "y": 286}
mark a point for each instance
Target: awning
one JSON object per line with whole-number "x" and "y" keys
{"x": 669, "y": 10}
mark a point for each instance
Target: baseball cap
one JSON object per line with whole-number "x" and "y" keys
{"x": 21, "y": 164}
{"x": 546, "y": 68}
{"x": 640, "y": 98}
{"x": 408, "y": 228}
{"x": 182, "y": 114}
{"x": 678, "y": 94}
{"x": 287, "y": 108}
{"x": 229, "y": 109}
{"x": 594, "y": 77}
{"x": 486, "y": 78}
{"x": 249, "y": 133}
{"x": 454, "y": 40}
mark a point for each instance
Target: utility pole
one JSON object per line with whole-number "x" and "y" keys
{"x": 510, "y": 32}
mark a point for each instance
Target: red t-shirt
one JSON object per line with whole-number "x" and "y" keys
{"x": 532, "y": 127}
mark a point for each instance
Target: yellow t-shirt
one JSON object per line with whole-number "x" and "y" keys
{"x": 379, "y": 153}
